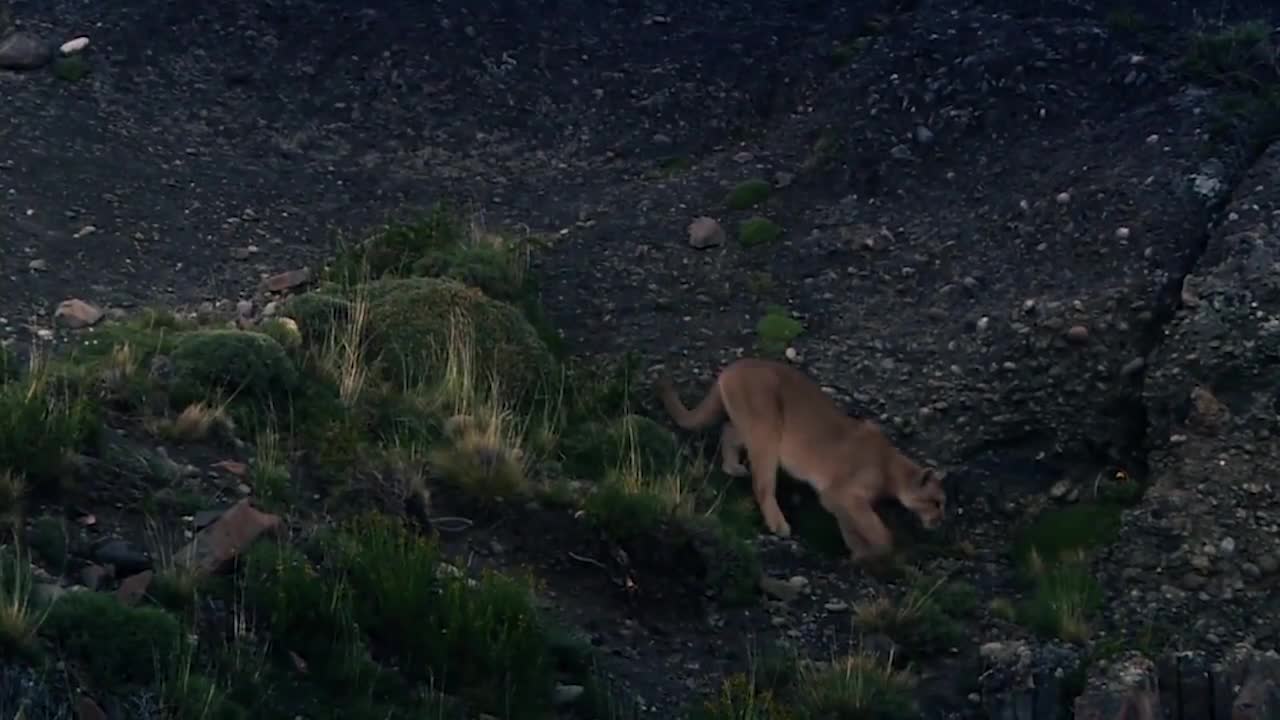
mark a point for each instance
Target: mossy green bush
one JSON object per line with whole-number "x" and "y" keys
{"x": 776, "y": 330}
{"x": 410, "y": 326}
{"x": 239, "y": 363}
{"x": 748, "y": 193}
{"x": 758, "y": 231}
{"x": 114, "y": 644}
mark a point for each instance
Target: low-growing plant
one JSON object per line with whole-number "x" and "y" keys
{"x": 20, "y": 619}
{"x": 748, "y": 193}
{"x": 923, "y": 622}
{"x": 481, "y": 640}
{"x": 1064, "y": 597}
{"x": 44, "y": 423}
{"x": 758, "y": 231}
{"x": 776, "y": 330}
{"x": 114, "y": 644}
{"x": 858, "y": 685}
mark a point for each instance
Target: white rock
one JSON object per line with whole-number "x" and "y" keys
{"x": 74, "y": 45}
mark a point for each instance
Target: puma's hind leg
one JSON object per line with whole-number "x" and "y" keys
{"x": 762, "y": 453}
{"x": 731, "y": 447}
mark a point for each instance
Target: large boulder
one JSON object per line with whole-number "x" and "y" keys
{"x": 1201, "y": 551}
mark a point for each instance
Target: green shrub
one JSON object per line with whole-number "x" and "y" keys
{"x": 411, "y": 328}
{"x": 114, "y": 644}
{"x": 592, "y": 448}
{"x": 748, "y": 193}
{"x": 776, "y": 330}
{"x": 240, "y": 363}
{"x": 309, "y": 615}
{"x": 758, "y": 231}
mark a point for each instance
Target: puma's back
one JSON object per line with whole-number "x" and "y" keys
{"x": 817, "y": 442}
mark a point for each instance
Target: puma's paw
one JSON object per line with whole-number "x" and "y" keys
{"x": 782, "y": 530}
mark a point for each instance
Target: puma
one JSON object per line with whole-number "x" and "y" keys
{"x": 783, "y": 419}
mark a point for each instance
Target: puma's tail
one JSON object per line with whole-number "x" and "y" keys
{"x": 707, "y": 412}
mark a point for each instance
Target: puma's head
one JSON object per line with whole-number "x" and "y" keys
{"x": 925, "y": 496}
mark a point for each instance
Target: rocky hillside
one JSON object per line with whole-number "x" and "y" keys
{"x": 330, "y": 332}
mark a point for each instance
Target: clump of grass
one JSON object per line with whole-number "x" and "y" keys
{"x": 758, "y": 231}
{"x": 1233, "y": 54}
{"x": 1064, "y": 597}
{"x": 776, "y": 330}
{"x": 483, "y": 452}
{"x": 44, "y": 423}
{"x": 481, "y": 640}
{"x": 924, "y": 621}
{"x": 856, "y": 685}
{"x": 13, "y": 495}
{"x": 740, "y": 699}
{"x": 197, "y": 422}
{"x": 176, "y": 583}
{"x": 269, "y": 473}
{"x": 19, "y": 620}
{"x": 1052, "y": 554}
{"x": 748, "y": 193}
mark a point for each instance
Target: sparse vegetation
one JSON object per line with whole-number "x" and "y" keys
{"x": 926, "y": 621}
{"x": 756, "y": 231}
{"x": 748, "y": 194}
{"x": 1052, "y": 554}
{"x": 776, "y": 330}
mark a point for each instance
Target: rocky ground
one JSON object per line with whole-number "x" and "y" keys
{"x": 1036, "y": 240}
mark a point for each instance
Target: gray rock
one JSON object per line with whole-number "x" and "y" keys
{"x": 23, "y": 51}
{"x": 124, "y": 555}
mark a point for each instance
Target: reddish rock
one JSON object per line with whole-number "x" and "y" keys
{"x": 76, "y": 314}
{"x": 134, "y": 588}
{"x": 705, "y": 232}
{"x": 287, "y": 280}
{"x": 87, "y": 709}
{"x": 234, "y": 467}
{"x": 214, "y": 547}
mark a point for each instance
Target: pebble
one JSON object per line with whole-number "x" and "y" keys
{"x": 74, "y": 45}
{"x": 1063, "y": 198}
{"x": 1078, "y": 334}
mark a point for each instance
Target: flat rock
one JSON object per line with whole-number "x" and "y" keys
{"x": 23, "y": 51}
{"x": 76, "y": 314}
{"x": 214, "y": 547}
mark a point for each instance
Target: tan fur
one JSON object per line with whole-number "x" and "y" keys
{"x": 784, "y": 419}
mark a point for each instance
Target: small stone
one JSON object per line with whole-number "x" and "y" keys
{"x": 287, "y": 280}
{"x": 1060, "y": 489}
{"x": 76, "y": 314}
{"x": 836, "y": 606}
{"x": 924, "y": 135}
{"x": 778, "y": 589}
{"x": 38, "y": 265}
{"x": 783, "y": 179}
{"x": 1122, "y": 233}
{"x": 900, "y": 152}
{"x": 566, "y": 694}
{"x": 705, "y": 232}
{"x": 1063, "y": 198}
{"x": 244, "y": 308}
{"x": 743, "y": 157}
{"x": 1078, "y": 334}
{"x": 792, "y": 355}
{"x": 1269, "y": 564}
{"x": 74, "y": 45}
{"x": 85, "y": 231}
